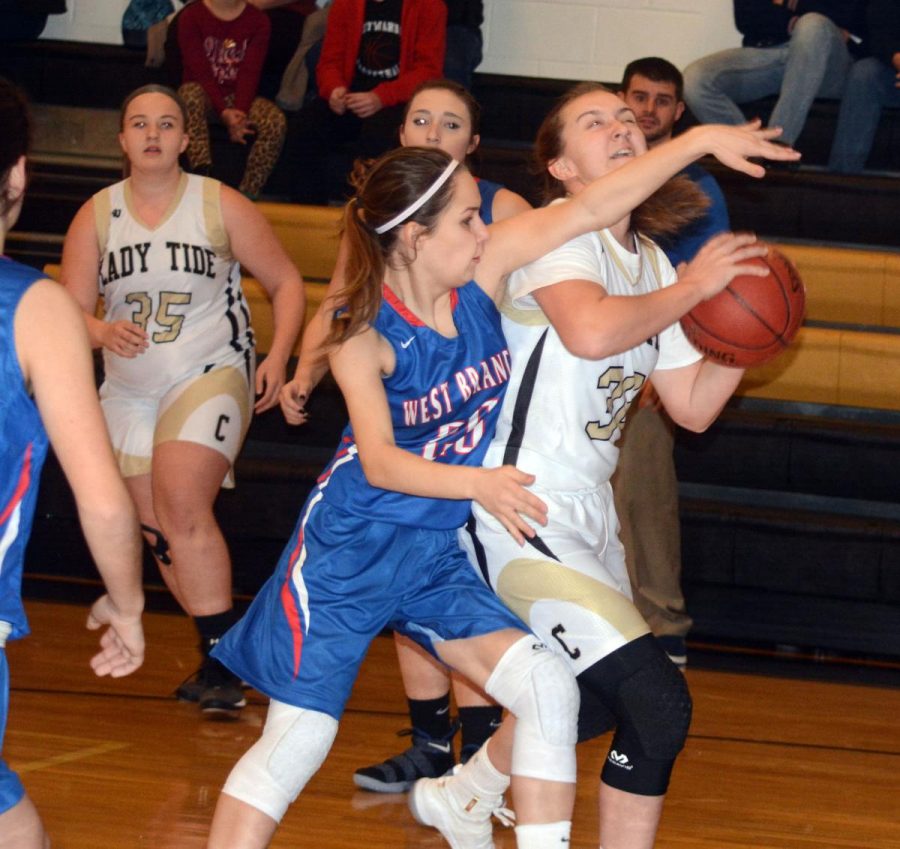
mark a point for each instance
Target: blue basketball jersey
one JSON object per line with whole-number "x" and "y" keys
{"x": 23, "y": 447}
{"x": 487, "y": 189}
{"x": 444, "y": 397}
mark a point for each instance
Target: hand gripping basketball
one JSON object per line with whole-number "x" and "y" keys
{"x": 753, "y": 319}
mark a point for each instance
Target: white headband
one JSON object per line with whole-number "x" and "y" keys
{"x": 421, "y": 201}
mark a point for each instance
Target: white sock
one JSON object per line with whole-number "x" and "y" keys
{"x": 478, "y": 777}
{"x": 548, "y": 835}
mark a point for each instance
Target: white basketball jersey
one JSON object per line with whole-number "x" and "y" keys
{"x": 178, "y": 280}
{"x": 562, "y": 415}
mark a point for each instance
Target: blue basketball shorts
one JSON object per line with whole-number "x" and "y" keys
{"x": 340, "y": 581}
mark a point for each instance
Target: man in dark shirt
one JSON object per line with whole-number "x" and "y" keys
{"x": 796, "y": 49}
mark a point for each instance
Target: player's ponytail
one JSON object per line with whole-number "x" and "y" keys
{"x": 403, "y": 185}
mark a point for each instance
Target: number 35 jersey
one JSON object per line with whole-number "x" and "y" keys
{"x": 179, "y": 281}
{"x": 563, "y": 415}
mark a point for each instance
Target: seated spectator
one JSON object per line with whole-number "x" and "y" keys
{"x": 294, "y": 80}
{"x": 796, "y": 49}
{"x": 287, "y": 20}
{"x": 872, "y": 84}
{"x": 374, "y": 55}
{"x": 223, "y": 44}
{"x": 464, "y": 40}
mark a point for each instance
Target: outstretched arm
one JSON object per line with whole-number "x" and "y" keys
{"x": 53, "y": 350}
{"x": 257, "y": 248}
{"x": 519, "y": 240}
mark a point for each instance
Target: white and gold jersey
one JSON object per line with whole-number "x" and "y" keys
{"x": 563, "y": 415}
{"x": 179, "y": 281}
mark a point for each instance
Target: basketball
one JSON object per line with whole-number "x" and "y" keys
{"x": 753, "y": 319}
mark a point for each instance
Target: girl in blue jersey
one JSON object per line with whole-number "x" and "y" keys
{"x": 48, "y": 390}
{"x": 418, "y": 354}
{"x": 440, "y": 114}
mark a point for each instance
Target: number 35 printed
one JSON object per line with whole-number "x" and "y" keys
{"x": 164, "y": 317}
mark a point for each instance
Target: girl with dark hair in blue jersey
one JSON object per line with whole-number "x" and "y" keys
{"x": 420, "y": 358}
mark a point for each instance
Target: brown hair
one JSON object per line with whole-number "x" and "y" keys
{"x": 15, "y": 140}
{"x": 384, "y": 188}
{"x": 472, "y": 105}
{"x": 669, "y": 209}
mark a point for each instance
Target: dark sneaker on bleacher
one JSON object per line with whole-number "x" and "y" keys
{"x": 428, "y": 757}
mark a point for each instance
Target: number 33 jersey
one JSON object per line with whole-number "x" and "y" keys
{"x": 178, "y": 281}
{"x": 563, "y": 415}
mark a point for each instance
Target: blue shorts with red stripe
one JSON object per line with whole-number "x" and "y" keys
{"x": 340, "y": 581}
{"x": 11, "y": 789}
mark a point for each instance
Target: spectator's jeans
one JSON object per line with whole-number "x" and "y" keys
{"x": 870, "y": 87}
{"x": 463, "y": 54}
{"x": 814, "y": 63}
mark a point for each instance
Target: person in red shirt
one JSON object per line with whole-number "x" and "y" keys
{"x": 374, "y": 55}
{"x": 223, "y": 45}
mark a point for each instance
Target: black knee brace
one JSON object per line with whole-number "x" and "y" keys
{"x": 159, "y": 545}
{"x": 649, "y": 699}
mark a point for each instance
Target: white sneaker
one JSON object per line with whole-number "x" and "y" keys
{"x": 463, "y": 826}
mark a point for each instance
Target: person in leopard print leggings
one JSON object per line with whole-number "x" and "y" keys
{"x": 223, "y": 44}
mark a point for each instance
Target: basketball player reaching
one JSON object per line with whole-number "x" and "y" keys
{"x": 178, "y": 353}
{"x": 420, "y": 358}
{"x": 441, "y": 114}
{"x": 48, "y": 390}
{"x": 586, "y": 325}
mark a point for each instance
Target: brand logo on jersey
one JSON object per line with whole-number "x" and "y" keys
{"x": 620, "y": 760}
{"x": 117, "y": 213}
{"x": 408, "y": 342}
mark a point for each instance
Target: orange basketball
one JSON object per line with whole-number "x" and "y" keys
{"x": 753, "y": 319}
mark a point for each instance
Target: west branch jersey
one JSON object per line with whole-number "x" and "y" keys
{"x": 23, "y": 447}
{"x": 444, "y": 397}
{"x": 178, "y": 280}
{"x": 563, "y": 415}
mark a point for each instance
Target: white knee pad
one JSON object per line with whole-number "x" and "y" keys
{"x": 541, "y": 692}
{"x": 277, "y": 767}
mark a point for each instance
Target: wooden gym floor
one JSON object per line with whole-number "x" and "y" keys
{"x": 771, "y": 763}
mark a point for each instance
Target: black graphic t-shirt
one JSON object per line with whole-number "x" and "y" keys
{"x": 379, "y": 50}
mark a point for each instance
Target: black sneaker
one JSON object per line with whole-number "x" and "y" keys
{"x": 190, "y": 689}
{"x": 428, "y": 757}
{"x": 223, "y": 694}
{"x": 214, "y": 687}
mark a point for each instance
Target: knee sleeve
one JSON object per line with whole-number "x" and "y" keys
{"x": 277, "y": 767}
{"x": 649, "y": 697}
{"x": 540, "y": 691}
{"x": 159, "y": 545}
